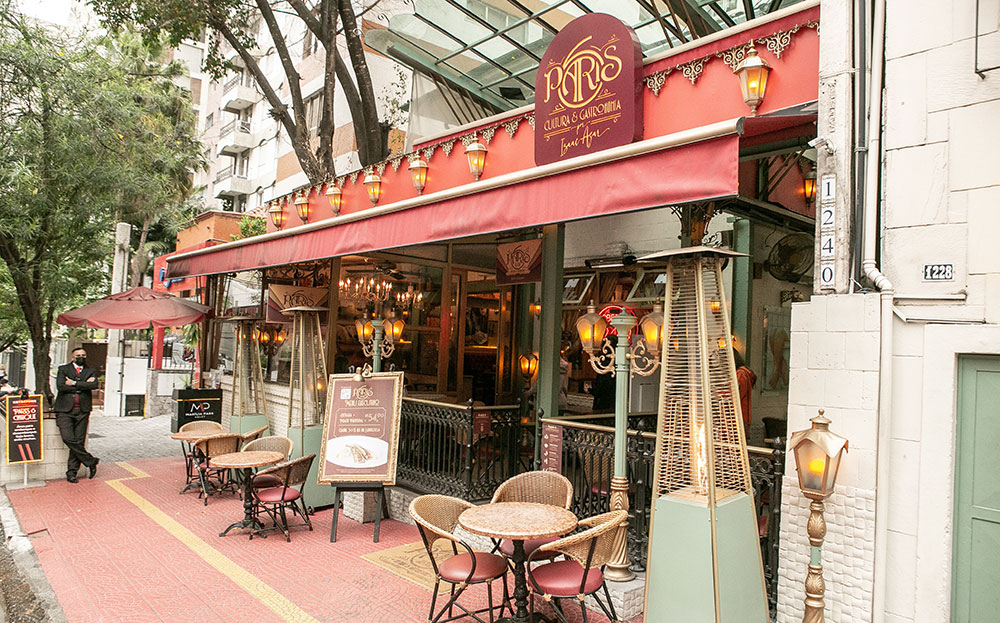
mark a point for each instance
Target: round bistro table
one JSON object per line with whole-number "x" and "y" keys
{"x": 188, "y": 438}
{"x": 518, "y": 521}
{"x": 245, "y": 462}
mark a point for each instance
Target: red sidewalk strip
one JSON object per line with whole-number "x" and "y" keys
{"x": 126, "y": 547}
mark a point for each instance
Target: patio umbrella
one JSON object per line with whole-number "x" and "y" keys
{"x": 135, "y": 309}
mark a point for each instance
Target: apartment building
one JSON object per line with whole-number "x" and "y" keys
{"x": 250, "y": 158}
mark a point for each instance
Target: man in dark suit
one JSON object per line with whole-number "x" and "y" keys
{"x": 74, "y": 382}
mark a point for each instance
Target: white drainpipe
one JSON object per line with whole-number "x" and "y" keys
{"x": 871, "y": 206}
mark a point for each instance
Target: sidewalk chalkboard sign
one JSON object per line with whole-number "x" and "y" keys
{"x": 23, "y": 429}
{"x": 361, "y": 429}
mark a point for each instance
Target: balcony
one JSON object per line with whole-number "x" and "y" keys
{"x": 229, "y": 185}
{"x": 237, "y": 96}
{"x": 235, "y": 138}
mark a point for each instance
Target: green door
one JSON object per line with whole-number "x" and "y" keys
{"x": 976, "y": 578}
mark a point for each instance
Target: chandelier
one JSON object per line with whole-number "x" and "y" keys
{"x": 410, "y": 298}
{"x": 365, "y": 289}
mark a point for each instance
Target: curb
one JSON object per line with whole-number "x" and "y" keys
{"x": 29, "y": 570}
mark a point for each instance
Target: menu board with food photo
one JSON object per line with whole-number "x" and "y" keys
{"x": 361, "y": 428}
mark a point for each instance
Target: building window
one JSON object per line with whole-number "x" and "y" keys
{"x": 310, "y": 44}
{"x": 209, "y": 120}
{"x": 314, "y": 112}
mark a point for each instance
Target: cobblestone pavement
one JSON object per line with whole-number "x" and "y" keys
{"x": 128, "y": 438}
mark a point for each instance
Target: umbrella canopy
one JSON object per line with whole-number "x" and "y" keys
{"x": 135, "y": 309}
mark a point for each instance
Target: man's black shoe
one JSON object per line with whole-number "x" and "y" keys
{"x": 93, "y": 468}
{"x": 72, "y": 479}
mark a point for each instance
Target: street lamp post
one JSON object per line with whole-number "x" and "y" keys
{"x": 617, "y": 569}
{"x": 817, "y": 459}
{"x": 622, "y": 361}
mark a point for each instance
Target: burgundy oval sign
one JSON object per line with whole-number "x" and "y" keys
{"x": 588, "y": 91}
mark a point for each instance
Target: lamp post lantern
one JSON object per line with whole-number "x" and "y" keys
{"x": 817, "y": 460}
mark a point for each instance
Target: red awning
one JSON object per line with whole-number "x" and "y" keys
{"x": 702, "y": 166}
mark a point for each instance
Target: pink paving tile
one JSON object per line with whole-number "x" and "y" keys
{"x": 138, "y": 571}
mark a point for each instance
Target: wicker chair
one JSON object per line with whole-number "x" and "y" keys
{"x": 540, "y": 487}
{"x": 187, "y": 448}
{"x": 274, "y": 500}
{"x": 203, "y": 425}
{"x": 436, "y": 517}
{"x": 271, "y": 444}
{"x": 252, "y": 435}
{"x": 220, "y": 479}
{"x": 582, "y": 573}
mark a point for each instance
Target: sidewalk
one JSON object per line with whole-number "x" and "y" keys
{"x": 126, "y": 547}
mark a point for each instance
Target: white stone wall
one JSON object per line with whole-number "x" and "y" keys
{"x": 834, "y": 366}
{"x": 848, "y": 552}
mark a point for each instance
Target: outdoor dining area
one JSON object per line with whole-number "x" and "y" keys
{"x": 256, "y": 467}
{"x": 540, "y": 555}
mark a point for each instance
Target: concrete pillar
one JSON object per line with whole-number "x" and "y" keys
{"x": 835, "y": 129}
{"x": 114, "y": 400}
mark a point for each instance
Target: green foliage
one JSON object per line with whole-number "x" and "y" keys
{"x": 250, "y": 226}
{"x": 91, "y": 131}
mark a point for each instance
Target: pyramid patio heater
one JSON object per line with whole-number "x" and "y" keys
{"x": 307, "y": 394}
{"x": 247, "y": 408}
{"x": 704, "y": 552}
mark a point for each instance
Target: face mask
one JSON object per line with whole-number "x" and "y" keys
{"x": 80, "y": 361}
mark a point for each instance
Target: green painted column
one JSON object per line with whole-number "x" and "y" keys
{"x": 742, "y": 282}
{"x": 623, "y": 323}
{"x": 550, "y": 333}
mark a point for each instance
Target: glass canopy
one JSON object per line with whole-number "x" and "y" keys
{"x": 488, "y": 51}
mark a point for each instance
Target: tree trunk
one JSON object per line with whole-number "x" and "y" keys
{"x": 138, "y": 260}
{"x": 43, "y": 365}
{"x": 369, "y": 135}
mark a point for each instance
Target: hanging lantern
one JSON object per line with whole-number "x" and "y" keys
{"x": 591, "y": 327}
{"x": 302, "y": 207}
{"x": 276, "y": 213}
{"x": 374, "y": 185}
{"x": 535, "y": 309}
{"x": 418, "y": 173}
{"x": 752, "y": 73}
{"x": 809, "y": 186}
{"x": 334, "y": 195}
{"x": 476, "y": 153}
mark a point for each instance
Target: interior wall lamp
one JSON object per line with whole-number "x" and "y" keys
{"x": 374, "y": 185}
{"x": 752, "y": 73}
{"x": 276, "y": 213}
{"x": 476, "y": 153}
{"x": 334, "y": 195}
{"x": 302, "y": 206}
{"x": 418, "y": 173}
{"x": 529, "y": 365}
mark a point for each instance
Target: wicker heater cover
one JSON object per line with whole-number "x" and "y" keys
{"x": 704, "y": 554}
{"x": 248, "y": 376}
{"x": 307, "y": 380}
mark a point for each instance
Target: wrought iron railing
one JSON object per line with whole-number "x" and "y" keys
{"x": 231, "y": 84}
{"x": 588, "y": 460}
{"x": 461, "y": 450}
